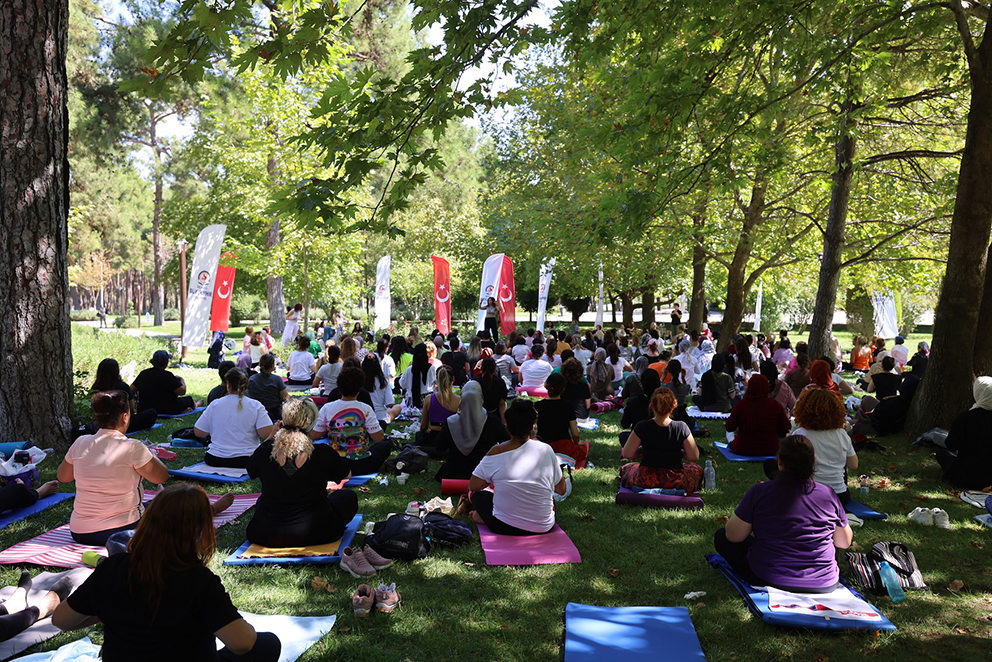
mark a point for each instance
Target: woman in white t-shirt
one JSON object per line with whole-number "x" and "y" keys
{"x": 525, "y": 475}
{"x": 327, "y": 375}
{"x": 234, "y": 424}
{"x": 301, "y": 364}
{"x": 819, "y": 415}
{"x": 618, "y": 363}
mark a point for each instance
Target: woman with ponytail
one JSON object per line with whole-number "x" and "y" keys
{"x": 439, "y": 407}
{"x": 784, "y": 531}
{"x": 234, "y": 424}
{"x": 418, "y": 380}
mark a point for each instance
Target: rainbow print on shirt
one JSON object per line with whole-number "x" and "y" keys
{"x": 346, "y": 434}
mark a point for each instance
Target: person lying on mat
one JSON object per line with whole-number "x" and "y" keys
{"x": 295, "y": 509}
{"x": 268, "y": 387}
{"x": 757, "y": 420}
{"x": 234, "y": 424}
{"x": 17, "y": 613}
{"x": 716, "y": 387}
{"x": 108, "y": 378}
{"x": 107, "y": 468}
{"x": 351, "y": 426}
{"x": 820, "y": 417}
{"x": 157, "y": 388}
{"x": 159, "y": 601}
{"x": 439, "y": 407}
{"x": 467, "y": 436}
{"x": 784, "y": 531}
{"x": 667, "y": 450}
{"x": 556, "y": 425}
{"x": 525, "y": 474}
{"x": 967, "y": 456}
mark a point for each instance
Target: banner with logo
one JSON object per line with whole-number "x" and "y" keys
{"x": 507, "y": 298}
{"x": 757, "y": 309}
{"x": 884, "y": 308}
{"x": 599, "y": 303}
{"x": 220, "y": 312}
{"x": 206, "y": 257}
{"x": 442, "y": 295}
{"x": 382, "y": 298}
{"x": 492, "y": 268}
{"x": 543, "y": 285}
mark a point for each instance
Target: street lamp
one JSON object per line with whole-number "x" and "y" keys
{"x": 181, "y": 245}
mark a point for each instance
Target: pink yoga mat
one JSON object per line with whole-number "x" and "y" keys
{"x": 554, "y": 547}
{"x": 454, "y": 486}
{"x": 57, "y": 548}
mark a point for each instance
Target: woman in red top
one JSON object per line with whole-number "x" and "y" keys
{"x": 758, "y": 420}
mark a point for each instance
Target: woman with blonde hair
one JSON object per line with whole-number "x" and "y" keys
{"x": 294, "y": 508}
{"x": 439, "y": 407}
{"x": 234, "y": 424}
{"x": 349, "y": 348}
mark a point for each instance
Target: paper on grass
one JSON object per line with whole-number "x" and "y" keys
{"x": 840, "y": 603}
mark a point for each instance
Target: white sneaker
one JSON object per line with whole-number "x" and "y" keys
{"x": 921, "y": 516}
{"x": 941, "y": 519}
{"x": 855, "y": 521}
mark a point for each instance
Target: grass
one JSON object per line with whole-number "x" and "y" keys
{"x": 456, "y": 608}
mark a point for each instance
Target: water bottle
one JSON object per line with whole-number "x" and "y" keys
{"x": 864, "y": 486}
{"x": 709, "y": 476}
{"x": 384, "y": 481}
{"x": 891, "y": 582}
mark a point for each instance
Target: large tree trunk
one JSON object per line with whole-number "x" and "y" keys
{"x": 737, "y": 281}
{"x": 983, "y": 341}
{"x": 158, "y": 287}
{"x": 627, "y": 302}
{"x": 697, "y": 299}
{"x": 647, "y": 309}
{"x": 833, "y": 237}
{"x": 273, "y": 283}
{"x": 36, "y": 400}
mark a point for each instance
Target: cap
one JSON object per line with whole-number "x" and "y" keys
{"x": 900, "y": 340}
{"x": 161, "y": 358}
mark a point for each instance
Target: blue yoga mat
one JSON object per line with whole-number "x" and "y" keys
{"x": 863, "y": 511}
{"x": 41, "y": 504}
{"x": 349, "y": 535}
{"x": 157, "y": 425}
{"x": 195, "y": 411}
{"x": 629, "y": 634}
{"x": 8, "y": 448}
{"x": 757, "y": 601}
{"x": 205, "y": 478}
{"x": 355, "y": 481}
{"x": 724, "y": 449}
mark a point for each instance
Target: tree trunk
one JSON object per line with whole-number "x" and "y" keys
{"x": 983, "y": 341}
{"x": 697, "y": 299}
{"x": 946, "y": 388}
{"x": 647, "y": 309}
{"x": 737, "y": 282}
{"x": 273, "y": 283}
{"x": 627, "y": 302}
{"x": 36, "y": 402}
{"x": 158, "y": 287}
{"x": 833, "y": 237}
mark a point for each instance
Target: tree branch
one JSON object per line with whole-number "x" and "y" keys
{"x": 911, "y": 154}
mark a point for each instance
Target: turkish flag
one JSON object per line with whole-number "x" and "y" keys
{"x": 220, "y": 311}
{"x": 442, "y": 295}
{"x": 507, "y": 298}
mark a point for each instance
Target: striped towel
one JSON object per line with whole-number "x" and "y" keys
{"x": 57, "y": 548}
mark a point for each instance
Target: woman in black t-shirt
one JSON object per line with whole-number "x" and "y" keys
{"x": 556, "y": 424}
{"x": 493, "y": 388}
{"x": 576, "y": 391}
{"x": 108, "y": 378}
{"x": 159, "y": 601}
{"x": 666, "y": 448}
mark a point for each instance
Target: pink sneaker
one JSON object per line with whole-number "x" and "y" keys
{"x": 363, "y": 601}
{"x": 386, "y": 598}
{"x": 353, "y": 562}
{"x": 375, "y": 559}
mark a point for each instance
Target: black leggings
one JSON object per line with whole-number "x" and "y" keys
{"x": 99, "y": 538}
{"x": 240, "y": 462}
{"x": 482, "y": 503}
{"x": 492, "y": 326}
{"x": 325, "y": 525}
{"x": 16, "y": 495}
{"x": 735, "y": 554}
{"x": 266, "y": 649}
{"x": 13, "y": 624}
{"x": 143, "y": 420}
{"x": 378, "y": 454}
{"x": 771, "y": 470}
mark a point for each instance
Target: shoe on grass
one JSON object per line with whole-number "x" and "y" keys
{"x": 354, "y": 563}
{"x": 941, "y": 519}
{"x": 921, "y": 516}
{"x": 386, "y": 598}
{"x": 855, "y": 521}
{"x": 363, "y": 601}
{"x": 376, "y": 560}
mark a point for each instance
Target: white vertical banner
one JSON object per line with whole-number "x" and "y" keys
{"x": 200, "y": 296}
{"x": 492, "y": 269}
{"x": 884, "y": 314}
{"x": 599, "y": 304}
{"x": 382, "y": 298}
{"x": 543, "y": 285}
{"x": 757, "y": 309}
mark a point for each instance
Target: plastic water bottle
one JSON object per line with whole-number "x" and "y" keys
{"x": 891, "y": 582}
{"x": 384, "y": 480}
{"x": 709, "y": 476}
{"x": 864, "y": 486}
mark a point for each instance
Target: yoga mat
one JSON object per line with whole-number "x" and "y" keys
{"x": 588, "y": 424}
{"x": 195, "y": 472}
{"x": 44, "y": 503}
{"x": 131, "y": 434}
{"x": 454, "y": 486}
{"x": 355, "y": 481}
{"x": 346, "y": 539}
{"x": 57, "y": 548}
{"x": 803, "y": 610}
{"x": 8, "y": 448}
{"x": 195, "y": 411}
{"x": 985, "y": 519}
{"x": 724, "y": 449}
{"x": 696, "y": 412}
{"x": 319, "y": 400}
{"x": 42, "y": 629}
{"x": 540, "y": 549}
{"x": 863, "y": 511}
{"x": 629, "y": 497}
{"x": 629, "y": 634}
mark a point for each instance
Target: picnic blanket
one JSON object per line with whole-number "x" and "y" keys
{"x": 725, "y": 451}
{"x": 42, "y": 629}
{"x": 57, "y": 548}
{"x": 249, "y": 554}
{"x": 696, "y": 412}
{"x": 629, "y": 634}
{"x": 540, "y": 549}
{"x": 44, "y": 503}
{"x": 195, "y": 411}
{"x": 208, "y": 474}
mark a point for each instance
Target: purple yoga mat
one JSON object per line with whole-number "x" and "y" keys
{"x": 690, "y": 501}
{"x": 554, "y": 547}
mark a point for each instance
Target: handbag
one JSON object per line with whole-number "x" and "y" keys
{"x": 866, "y": 567}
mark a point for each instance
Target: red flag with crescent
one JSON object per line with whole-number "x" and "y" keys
{"x": 507, "y": 298}
{"x": 442, "y": 295}
{"x": 220, "y": 311}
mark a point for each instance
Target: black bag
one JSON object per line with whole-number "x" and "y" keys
{"x": 447, "y": 531}
{"x": 866, "y": 566}
{"x": 412, "y": 458}
{"x": 85, "y": 428}
{"x": 400, "y": 537}
{"x": 190, "y": 435}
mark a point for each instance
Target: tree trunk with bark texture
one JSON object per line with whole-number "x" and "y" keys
{"x": 737, "y": 281}
{"x": 983, "y": 341}
{"x": 158, "y": 287}
{"x": 647, "y": 309}
{"x": 697, "y": 299}
{"x": 273, "y": 283}
{"x": 36, "y": 401}
{"x": 627, "y": 302}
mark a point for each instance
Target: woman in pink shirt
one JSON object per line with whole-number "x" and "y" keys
{"x": 107, "y": 468}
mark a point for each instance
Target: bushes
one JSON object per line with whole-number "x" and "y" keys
{"x": 246, "y": 307}
{"x": 171, "y": 314}
{"x": 126, "y": 322}
{"x": 83, "y": 315}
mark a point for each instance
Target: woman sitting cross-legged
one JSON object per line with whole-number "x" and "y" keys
{"x": 758, "y": 421}
{"x": 667, "y": 450}
{"x": 556, "y": 425}
{"x": 301, "y": 364}
{"x": 967, "y": 456}
{"x": 352, "y": 427}
{"x": 467, "y": 436}
{"x": 108, "y": 378}
{"x": 234, "y": 424}
{"x": 268, "y": 387}
{"x": 784, "y": 531}
{"x": 294, "y": 509}
{"x": 525, "y": 475}
{"x": 716, "y": 387}
{"x": 438, "y": 408}
{"x": 159, "y": 601}
{"x": 820, "y": 417}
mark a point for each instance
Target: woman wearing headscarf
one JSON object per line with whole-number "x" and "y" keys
{"x": 821, "y": 375}
{"x": 467, "y": 436}
{"x": 759, "y": 421}
{"x": 716, "y": 388}
{"x": 921, "y": 358}
{"x": 779, "y": 390}
{"x": 688, "y": 362}
{"x": 967, "y": 458}
{"x": 632, "y": 386}
{"x": 600, "y": 376}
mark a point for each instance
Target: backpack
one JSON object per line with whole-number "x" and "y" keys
{"x": 447, "y": 531}
{"x": 400, "y": 537}
{"x": 866, "y": 566}
{"x": 412, "y": 458}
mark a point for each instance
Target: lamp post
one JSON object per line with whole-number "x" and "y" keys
{"x": 181, "y": 244}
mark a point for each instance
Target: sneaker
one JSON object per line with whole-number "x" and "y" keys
{"x": 855, "y": 521}
{"x": 921, "y": 516}
{"x": 375, "y": 559}
{"x": 363, "y": 601}
{"x": 353, "y": 562}
{"x": 941, "y": 519}
{"x": 386, "y": 598}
